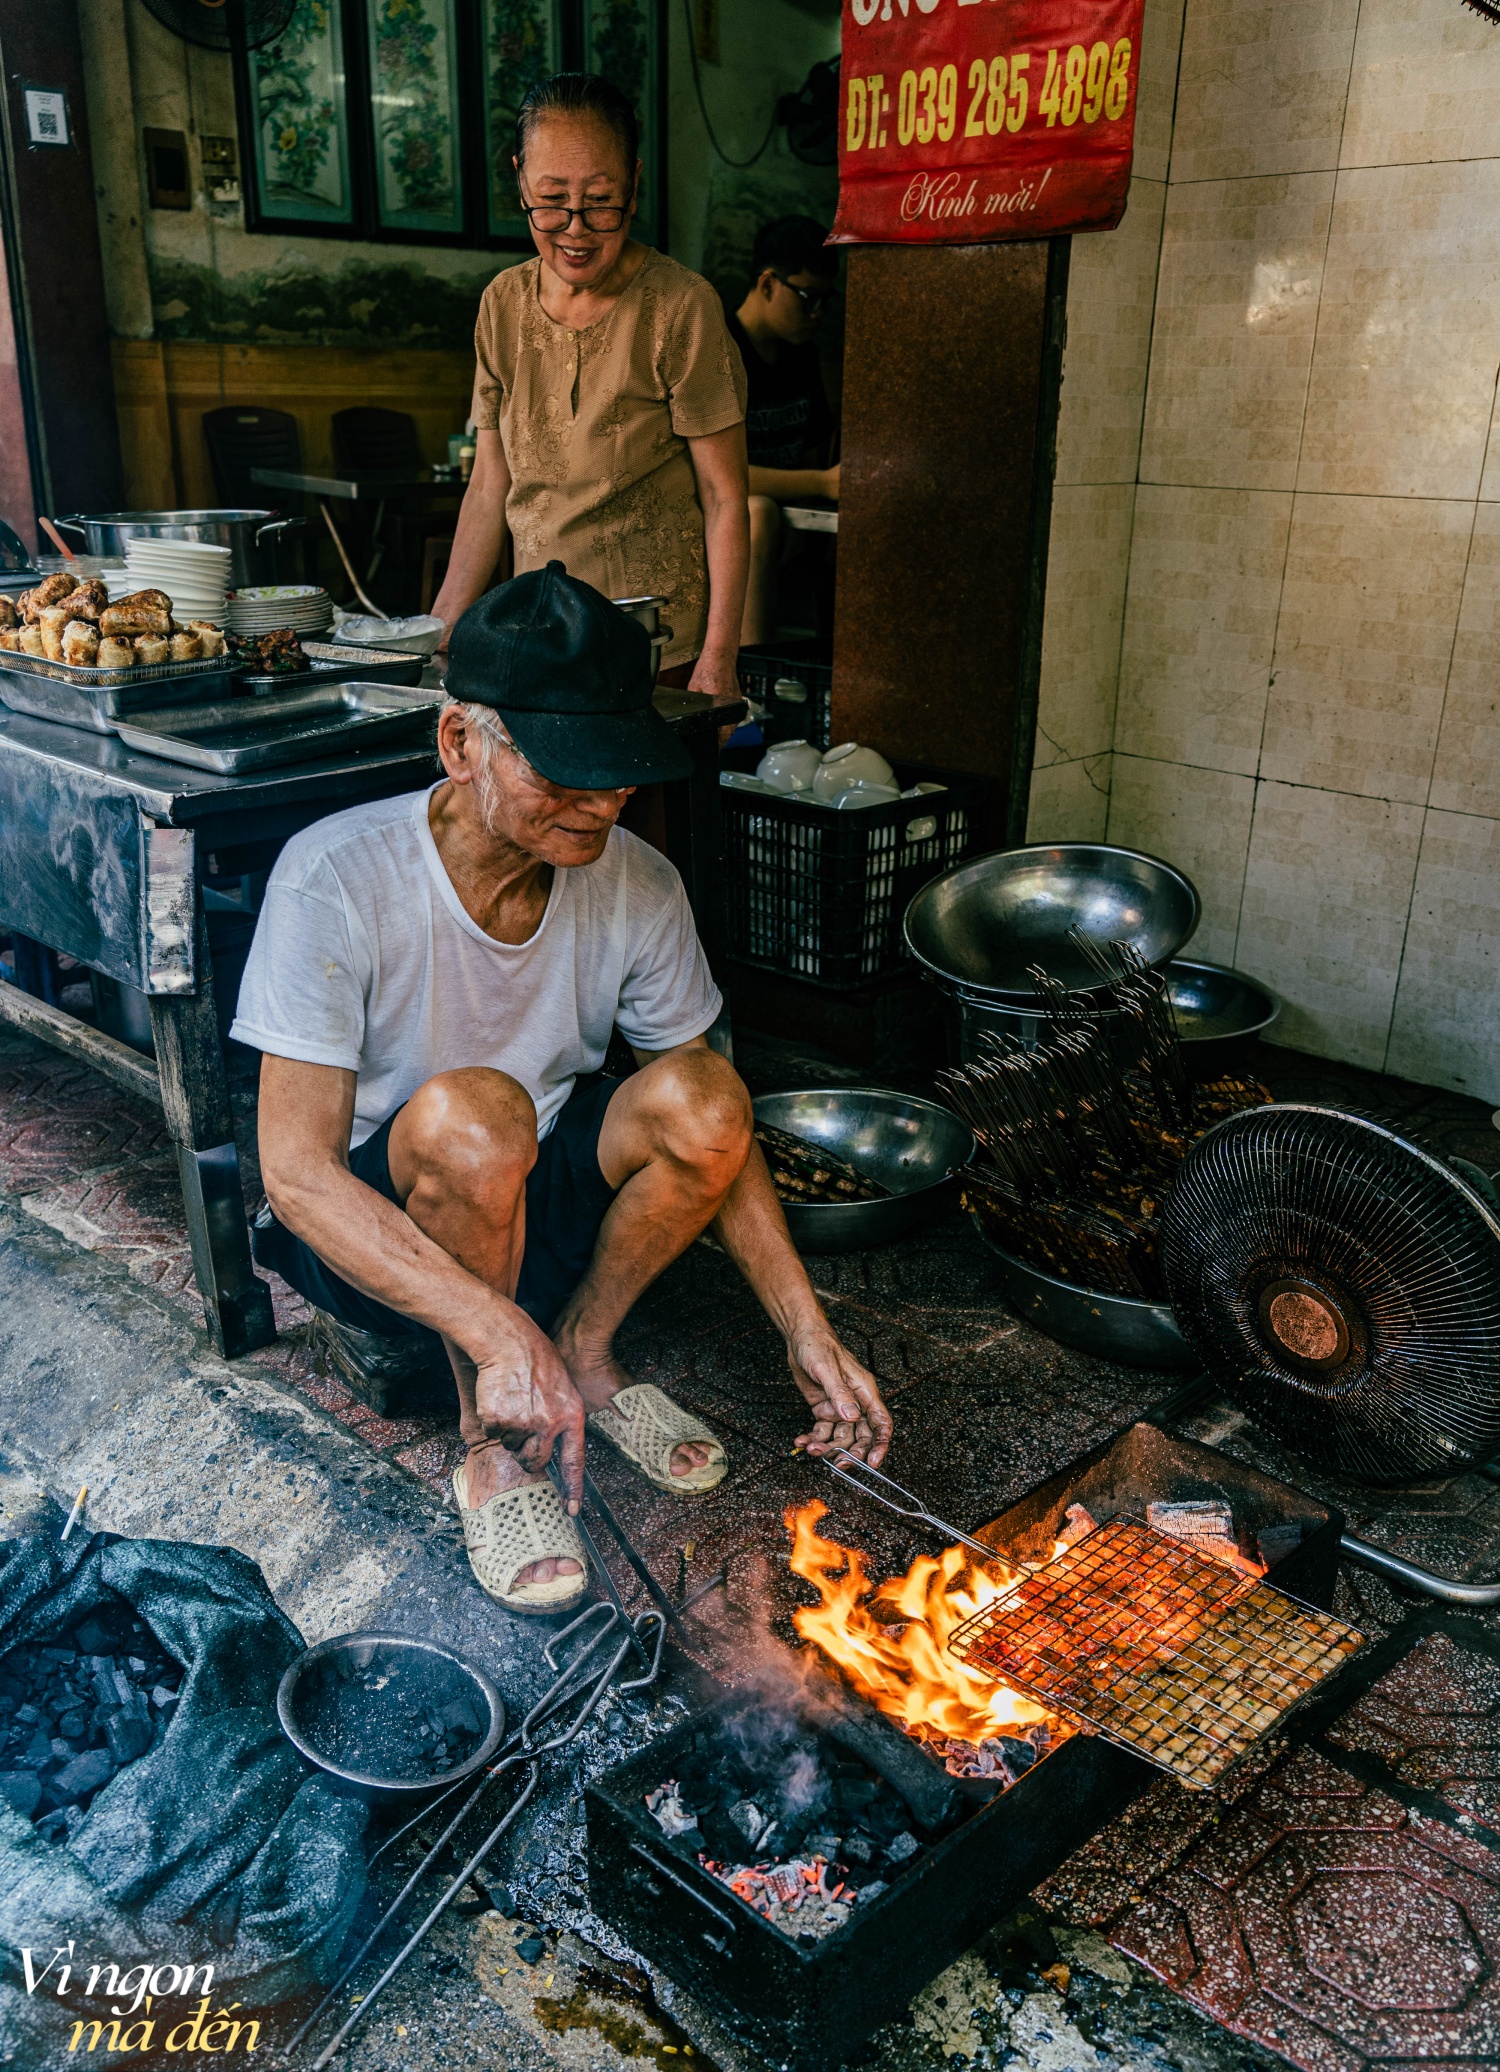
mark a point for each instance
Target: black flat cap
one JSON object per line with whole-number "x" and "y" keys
{"x": 570, "y": 675}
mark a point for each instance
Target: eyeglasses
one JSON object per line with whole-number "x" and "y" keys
{"x": 812, "y": 299}
{"x": 553, "y": 216}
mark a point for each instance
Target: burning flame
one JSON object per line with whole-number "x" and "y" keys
{"x": 905, "y": 1670}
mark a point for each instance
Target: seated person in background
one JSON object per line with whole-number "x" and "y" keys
{"x": 433, "y": 983}
{"x": 788, "y": 424}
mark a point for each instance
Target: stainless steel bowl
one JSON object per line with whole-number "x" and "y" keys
{"x": 431, "y": 1673}
{"x": 647, "y": 610}
{"x": 1219, "y": 1014}
{"x": 1111, "y": 1327}
{"x": 979, "y": 925}
{"x": 911, "y": 1147}
{"x": 250, "y": 536}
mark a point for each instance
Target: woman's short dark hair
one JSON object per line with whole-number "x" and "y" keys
{"x": 581, "y": 93}
{"x": 792, "y": 244}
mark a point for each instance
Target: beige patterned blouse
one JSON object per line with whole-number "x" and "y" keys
{"x": 595, "y": 427}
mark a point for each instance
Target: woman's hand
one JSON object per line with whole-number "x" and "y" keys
{"x": 715, "y": 675}
{"x": 843, "y": 1396}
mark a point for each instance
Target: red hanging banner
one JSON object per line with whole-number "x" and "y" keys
{"x": 984, "y": 121}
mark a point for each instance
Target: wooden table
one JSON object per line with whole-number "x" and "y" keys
{"x": 108, "y": 855}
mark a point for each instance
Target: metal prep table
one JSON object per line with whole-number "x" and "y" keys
{"x": 105, "y": 855}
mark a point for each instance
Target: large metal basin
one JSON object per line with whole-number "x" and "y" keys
{"x": 250, "y": 536}
{"x": 1219, "y": 1014}
{"x": 980, "y": 925}
{"x": 1111, "y": 1327}
{"x": 913, "y": 1147}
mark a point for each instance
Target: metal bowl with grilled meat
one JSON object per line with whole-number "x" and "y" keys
{"x": 909, "y": 1147}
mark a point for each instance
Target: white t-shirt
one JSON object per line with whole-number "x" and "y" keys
{"x": 365, "y": 958}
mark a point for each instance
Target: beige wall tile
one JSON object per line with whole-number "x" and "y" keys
{"x": 1156, "y": 88}
{"x": 1466, "y": 774}
{"x": 1236, "y": 309}
{"x": 1445, "y": 1031}
{"x": 1200, "y": 624}
{"x": 1327, "y": 889}
{"x": 1087, "y": 560}
{"x": 1403, "y": 377}
{"x": 1111, "y": 294}
{"x": 1425, "y": 85}
{"x": 1369, "y": 609}
{"x": 1489, "y": 481}
{"x": 1262, "y": 87}
{"x": 1070, "y": 802}
{"x": 1198, "y": 820}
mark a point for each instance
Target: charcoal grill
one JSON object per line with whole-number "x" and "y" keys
{"x": 810, "y": 2007}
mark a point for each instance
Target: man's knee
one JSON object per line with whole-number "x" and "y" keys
{"x": 471, "y": 1132}
{"x": 700, "y": 1110}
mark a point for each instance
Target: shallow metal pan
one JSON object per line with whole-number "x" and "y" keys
{"x": 95, "y": 698}
{"x": 910, "y": 1146}
{"x": 283, "y": 727}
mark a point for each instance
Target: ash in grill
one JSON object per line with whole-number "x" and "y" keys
{"x": 74, "y": 1711}
{"x": 800, "y": 1828}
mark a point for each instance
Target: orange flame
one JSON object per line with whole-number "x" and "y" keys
{"x": 905, "y": 1670}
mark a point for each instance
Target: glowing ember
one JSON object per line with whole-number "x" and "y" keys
{"x": 904, "y": 1668}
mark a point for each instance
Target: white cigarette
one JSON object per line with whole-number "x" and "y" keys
{"x": 77, "y": 1511}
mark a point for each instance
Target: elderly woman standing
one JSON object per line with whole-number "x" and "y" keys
{"x": 609, "y": 400}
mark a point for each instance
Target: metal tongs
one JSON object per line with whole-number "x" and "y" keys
{"x": 911, "y": 1507}
{"x": 581, "y": 1682}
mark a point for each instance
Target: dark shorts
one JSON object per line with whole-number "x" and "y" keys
{"x": 567, "y": 1198}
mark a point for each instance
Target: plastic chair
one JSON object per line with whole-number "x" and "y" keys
{"x": 241, "y": 437}
{"x": 382, "y": 441}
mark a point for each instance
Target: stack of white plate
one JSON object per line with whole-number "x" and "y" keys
{"x": 271, "y": 607}
{"x": 194, "y": 574}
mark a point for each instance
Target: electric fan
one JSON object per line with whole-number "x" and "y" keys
{"x": 1343, "y": 1288}
{"x": 224, "y": 24}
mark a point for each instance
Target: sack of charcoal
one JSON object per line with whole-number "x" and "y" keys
{"x": 151, "y": 1810}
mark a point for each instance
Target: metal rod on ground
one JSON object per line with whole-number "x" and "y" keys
{"x": 652, "y": 1588}
{"x": 1474, "y": 1596}
{"x": 714, "y": 1583}
{"x": 555, "y": 1475}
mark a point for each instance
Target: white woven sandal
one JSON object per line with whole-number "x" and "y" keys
{"x": 511, "y": 1530}
{"x": 648, "y": 1427}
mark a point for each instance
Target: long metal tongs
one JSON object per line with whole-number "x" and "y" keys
{"x": 912, "y": 1507}
{"x": 581, "y": 1682}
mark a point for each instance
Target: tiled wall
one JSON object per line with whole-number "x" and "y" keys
{"x": 1292, "y": 549}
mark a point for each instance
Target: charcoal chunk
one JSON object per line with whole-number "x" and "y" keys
{"x": 532, "y": 1950}
{"x": 905, "y": 1846}
{"x": 21, "y": 1791}
{"x": 1019, "y": 1755}
{"x": 858, "y": 1848}
{"x": 128, "y": 1737}
{"x": 84, "y": 1773}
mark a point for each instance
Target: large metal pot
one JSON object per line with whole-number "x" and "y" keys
{"x": 912, "y": 1147}
{"x": 251, "y": 536}
{"x": 1111, "y": 1327}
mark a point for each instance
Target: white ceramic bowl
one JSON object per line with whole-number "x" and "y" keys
{"x": 864, "y": 795}
{"x": 789, "y": 766}
{"x": 847, "y": 765}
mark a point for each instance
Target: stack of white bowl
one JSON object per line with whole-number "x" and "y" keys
{"x": 193, "y": 573}
{"x": 305, "y": 609}
{"x": 846, "y": 776}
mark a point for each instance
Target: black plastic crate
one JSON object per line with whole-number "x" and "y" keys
{"x": 820, "y": 893}
{"x": 790, "y": 718}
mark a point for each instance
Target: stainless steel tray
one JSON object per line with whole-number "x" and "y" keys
{"x": 334, "y": 663}
{"x": 95, "y": 698}
{"x": 240, "y": 734}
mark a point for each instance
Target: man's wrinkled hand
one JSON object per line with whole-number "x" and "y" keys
{"x": 843, "y": 1396}
{"x": 525, "y": 1397}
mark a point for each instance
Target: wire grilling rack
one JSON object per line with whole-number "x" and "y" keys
{"x": 1173, "y": 1655}
{"x": 602, "y": 1637}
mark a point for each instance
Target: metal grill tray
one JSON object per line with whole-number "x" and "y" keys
{"x": 1174, "y": 1655}
{"x": 95, "y": 698}
{"x": 339, "y": 664}
{"x": 295, "y": 726}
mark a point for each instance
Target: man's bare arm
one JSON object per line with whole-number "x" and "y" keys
{"x": 523, "y": 1388}
{"x": 844, "y": 1397}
